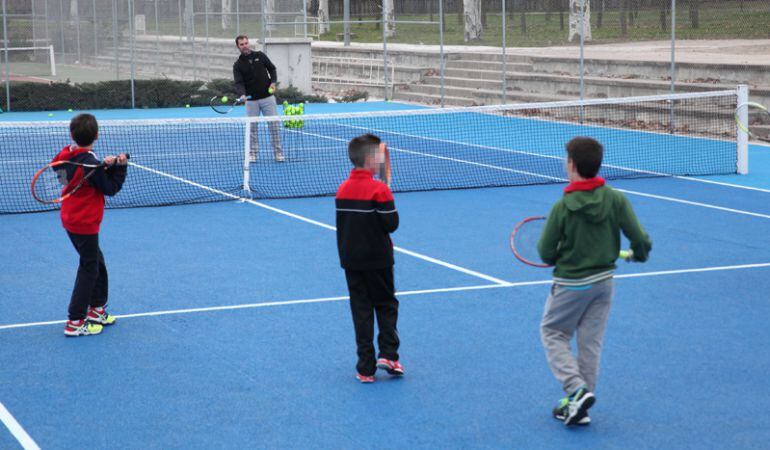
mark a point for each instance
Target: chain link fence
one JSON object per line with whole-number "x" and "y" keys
{"x": 503, "y": 50}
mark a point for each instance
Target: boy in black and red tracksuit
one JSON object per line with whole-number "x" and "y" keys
{"x": 366, "y": 215}
{"x": 81, "y": 216}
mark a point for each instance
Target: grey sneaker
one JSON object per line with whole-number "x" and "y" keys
{"x": 577, "y": 408}
{"x": 279, "y": 156}
{"x": 561, "y": 411}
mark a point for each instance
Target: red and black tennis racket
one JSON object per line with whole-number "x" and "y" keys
{"x": 524, "y": 240}
{"x": 50, "y": 184}
{"x": 526, "y": 235}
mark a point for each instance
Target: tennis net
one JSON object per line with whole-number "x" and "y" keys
{"x": 179, "y": 161}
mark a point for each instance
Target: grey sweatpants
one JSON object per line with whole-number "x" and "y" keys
{"x": 569, "y": 311}
{"x": 267, "y": 107}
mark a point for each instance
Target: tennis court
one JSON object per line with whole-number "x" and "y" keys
{"x": 234, "y": 328}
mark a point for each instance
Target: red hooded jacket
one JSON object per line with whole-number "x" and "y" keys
{"x": 83, "y": 211}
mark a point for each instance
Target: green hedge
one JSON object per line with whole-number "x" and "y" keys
{"x": 162, "y": 93}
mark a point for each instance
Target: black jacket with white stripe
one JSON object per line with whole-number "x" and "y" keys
{"x": 366, "y": 215}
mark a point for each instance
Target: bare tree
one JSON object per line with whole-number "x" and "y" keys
{"x": 472, "y": 16}
{"x": 226, "y": 10}
{"x": 523, "y": 22}
{"x": 599, "y": 13}
{"x": 694, "y": 13}
{"x": 663, "y": 4}
{"x": 323, "y": 16}
{"x": 580, "y": 20}
{"x": 624, "y": 18}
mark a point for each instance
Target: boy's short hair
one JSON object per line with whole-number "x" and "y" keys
{"x": 586, "y": 154}
{"x": 84, "y": 129}
{"x": 362, "y": 146}
{"x": 239, "y": 38}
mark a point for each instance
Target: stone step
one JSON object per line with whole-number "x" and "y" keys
{"x": 488, "y": 57}
{"x": 480, "y": 96}
{"x": 472, "y": 65}
{"x": 597, "y": 87}
{"x": 429, "y": 99}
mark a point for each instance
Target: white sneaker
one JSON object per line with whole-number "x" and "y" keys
{"x": 252, "y": 157}
{"x": 279, "y": 157}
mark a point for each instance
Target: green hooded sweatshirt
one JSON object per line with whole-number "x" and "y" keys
{"x": 582, "y": 235}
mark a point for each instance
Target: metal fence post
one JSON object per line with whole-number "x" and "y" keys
{"x": 441, "y": 47}
{"x": 672, "y": 118}
{"x": 505, "y": 99}
{"x": 384, "y": 47}
{"x": 582, "y": 46}
{"x": 5, "y": 61}
{"x": 132, "y": 41}
{"x": 346, "y": 20}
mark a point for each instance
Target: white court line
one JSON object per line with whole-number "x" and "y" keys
{"x": 552, "y": 178}
{"x": 16, "y": 430}
{"x": 688, "y": 202}
{"x": 399, "y": 294}
{"x": 323, "y": 225}
{"x": 561, "y": 158}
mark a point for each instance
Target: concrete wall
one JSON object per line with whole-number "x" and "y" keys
{"x": 293, "y": 61}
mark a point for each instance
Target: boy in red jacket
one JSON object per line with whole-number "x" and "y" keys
{"x": 81, "y": 215}
{"x": 366, "y": 215}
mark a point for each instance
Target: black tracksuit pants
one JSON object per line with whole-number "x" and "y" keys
{"x": 91, "y": 282}
{"x": 372, "y": 293}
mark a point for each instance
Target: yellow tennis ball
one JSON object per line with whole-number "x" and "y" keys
{"x": 187, "y": 105}
{"x": 224, "y": 99}
{"x": 69, "y": 110}
{"x": 270, "y": 90}
{"x": 50, "y": 114}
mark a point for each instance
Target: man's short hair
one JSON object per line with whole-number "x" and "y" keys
{"x": 239, "y": 38}
{"x": 84, "y": 129}
{"x": 362, "y": 146}
{"x": 586, "y": 154}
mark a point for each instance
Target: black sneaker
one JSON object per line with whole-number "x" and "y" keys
{"x": 561, "y": 411}
{"x": 577, "y": 407}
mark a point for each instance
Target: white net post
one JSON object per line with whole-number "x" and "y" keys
{"x": 246, "y": 154}
{"x": 743, "y": 136}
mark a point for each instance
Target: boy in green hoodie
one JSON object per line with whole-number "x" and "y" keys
{"x": 582, "y": 240}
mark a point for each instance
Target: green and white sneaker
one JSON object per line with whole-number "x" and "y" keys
{"x": 561, "y": 411}
{"x": 578, "y": 404}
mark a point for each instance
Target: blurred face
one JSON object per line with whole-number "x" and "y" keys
{"x": 243, "y": 46}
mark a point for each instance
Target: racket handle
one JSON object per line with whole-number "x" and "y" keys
{"x": 627, "y": 255}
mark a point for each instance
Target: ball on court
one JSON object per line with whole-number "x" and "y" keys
{"x": 69, "y": 110}
{"x": 50, "y": 114}
{"x": 187, "y": 105}
{"x": 224, "y": 99}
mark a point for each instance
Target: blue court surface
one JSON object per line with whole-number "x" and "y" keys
{"x": 234, "y": 329}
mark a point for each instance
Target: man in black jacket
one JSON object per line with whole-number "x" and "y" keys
{"x": 255, "y": 76}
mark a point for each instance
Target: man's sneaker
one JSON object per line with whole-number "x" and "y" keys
{"x": 561, "y": 411}
{"x": 392, "y": 367}
{"x": 100, "y": 316}
{"x": 365, "y": 378}
{"x": 279, "y": 156}
{"x": 75, "y": 328}
{"x": 252, "y": 157}
{"x": 577, "y": 408}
